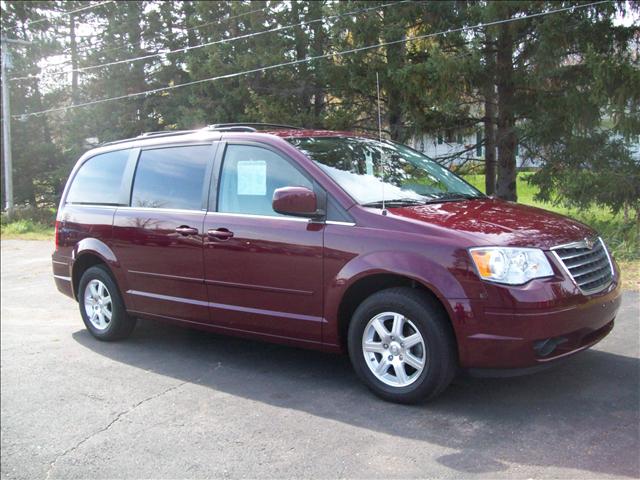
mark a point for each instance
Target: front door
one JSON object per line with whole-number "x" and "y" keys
{"x": 159, "y": 238}
{"x": 263, "y": 270}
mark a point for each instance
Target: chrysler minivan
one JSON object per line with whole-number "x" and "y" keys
{"x": 331, "y": 241}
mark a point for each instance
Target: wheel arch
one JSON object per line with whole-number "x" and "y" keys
{"x": 369, "y": 284}
{"x": 81, "y": 264}
{"x": 88, "y": 253}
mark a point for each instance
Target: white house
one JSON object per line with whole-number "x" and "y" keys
{"x": 458, "y": 148}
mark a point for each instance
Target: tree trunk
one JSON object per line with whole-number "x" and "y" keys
{"x": 317, "y": 49}
{"x": 395, "y": 62}
{"x": 189, "y": 12}
{"x": 490, "y": 143}
{"x": 301, "y": 44}
{"x": 74, "y": 58}
{"x": 490, "y": 120}
{"x": 138, "y": 81}
{"x": 506, "y": 136}
{"x": 166, "y": 12}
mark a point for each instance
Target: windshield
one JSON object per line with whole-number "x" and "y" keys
{"x": 371, "y": 171}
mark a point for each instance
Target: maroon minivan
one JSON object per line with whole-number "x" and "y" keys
{"x": 331, "y": 241}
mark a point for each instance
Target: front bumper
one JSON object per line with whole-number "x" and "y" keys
{"x": 532, "y": 335}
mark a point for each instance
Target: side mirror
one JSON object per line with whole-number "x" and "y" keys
{"x": 296, "y": 201}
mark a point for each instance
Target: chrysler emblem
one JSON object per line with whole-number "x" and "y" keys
{"x": 588, "y": 243}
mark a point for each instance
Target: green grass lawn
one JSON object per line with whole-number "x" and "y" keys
{"x": 26, "y": 230}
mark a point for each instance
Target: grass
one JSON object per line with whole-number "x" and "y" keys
{"x": 26, "y": 230}
{"x": 622, "y": 237}
{"x": 630, "y": 274}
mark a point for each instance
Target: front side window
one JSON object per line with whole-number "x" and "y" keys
{"x": 99, "y": 179}
{"x": 171, "y": 177}
{"x": 249, "y": 177}
{"x": 370, "y": 171}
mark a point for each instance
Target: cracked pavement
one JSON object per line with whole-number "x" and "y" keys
{"x": 108, "y": 426}
{"x": 178, "y": 403}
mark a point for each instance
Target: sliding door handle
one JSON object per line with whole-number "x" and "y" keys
{"x": 220, "y": 234}
{"x": 185, "y": 230}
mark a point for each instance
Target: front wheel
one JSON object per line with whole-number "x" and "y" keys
{"x": 401, "y": 345}
{"x": 101, "y": 306}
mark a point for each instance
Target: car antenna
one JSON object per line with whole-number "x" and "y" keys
{"x": 384, "y": 210}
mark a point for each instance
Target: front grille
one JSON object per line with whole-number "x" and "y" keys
{"x": 588, "y": 264}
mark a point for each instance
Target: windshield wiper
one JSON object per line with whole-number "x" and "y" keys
{"x": 451, "y": 197}
{"x": 437, "y": 198}
{"x": 395, "y": 202}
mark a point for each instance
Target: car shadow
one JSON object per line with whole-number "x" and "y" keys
{"x": 581, "y": 415}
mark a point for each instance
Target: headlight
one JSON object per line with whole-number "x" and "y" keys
{"x": 513, "y": 266}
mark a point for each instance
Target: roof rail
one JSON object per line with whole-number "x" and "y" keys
{"x": 255, "y": 126}
{"x": 162, "y": 133}
{"x": 219, "y": 127}
{"x": 231, "y": 128}
{"x": 165, "y": 133}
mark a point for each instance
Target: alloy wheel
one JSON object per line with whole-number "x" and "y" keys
{"x": 97, "y": 304}
{"x": 394, "y": 349}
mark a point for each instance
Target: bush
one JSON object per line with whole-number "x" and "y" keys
{"x": 622, "y": 237}
{"x": 27, "y": 213}
{"x": 21, "y": 226}
{"x": 26, "y": 230}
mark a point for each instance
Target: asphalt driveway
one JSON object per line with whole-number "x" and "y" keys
{"x": 177, "y": 403}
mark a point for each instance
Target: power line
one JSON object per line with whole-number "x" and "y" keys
{"x": 215, "y": 42}
{"x": 228, "y": 18}
{"x": 86, "y": 48}
{"x": 311, "y": 59}
{"x": 87, "y": 7}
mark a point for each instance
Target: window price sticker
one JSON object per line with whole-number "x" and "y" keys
{"x": 252, "y": 177}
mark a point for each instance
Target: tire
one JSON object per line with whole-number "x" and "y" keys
{"x": 414, "y": 312}
{"x": 99, "y": 297}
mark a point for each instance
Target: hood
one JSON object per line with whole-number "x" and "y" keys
{"x": 496, "y": 222}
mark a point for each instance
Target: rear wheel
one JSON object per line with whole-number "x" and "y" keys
{"x": 101, "y": 306}
{"x": 401, "y": 345}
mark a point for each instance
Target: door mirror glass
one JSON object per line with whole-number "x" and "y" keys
{"x": 295, "y": 201}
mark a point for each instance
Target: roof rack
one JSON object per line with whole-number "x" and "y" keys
{"x": 162, "y": 133}
{"x": 254, "y": 126}
{"x": 165, "y": 133}
{"x": 231, "y": 128}
{"x": 218, "y": 127}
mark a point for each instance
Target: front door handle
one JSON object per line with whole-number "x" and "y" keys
{"x": 185, "y": 230}
{"x": 220, "y": 233}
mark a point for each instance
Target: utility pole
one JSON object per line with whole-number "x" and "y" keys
{"x": 6, "y": 122}
{"x": 6, "y": 132}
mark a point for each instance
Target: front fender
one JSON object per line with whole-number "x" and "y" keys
{"x": 434, "y": 272}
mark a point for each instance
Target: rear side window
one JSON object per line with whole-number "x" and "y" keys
{"x": 99, "y": 179}
{"x": 171, "y": 177}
